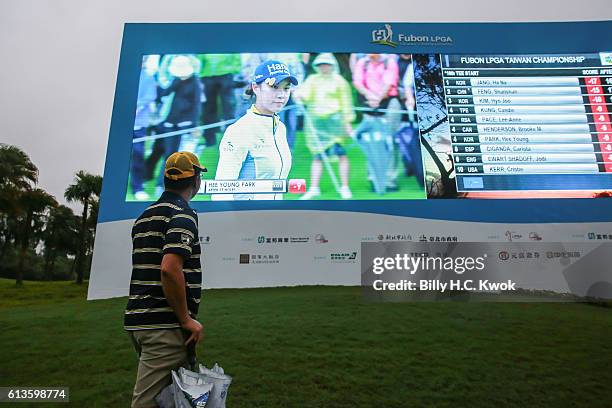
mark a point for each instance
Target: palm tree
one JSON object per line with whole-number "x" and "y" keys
{"x": 85, "y": 188}
{"x": 17, "y": 174}
{"x": 31, "y": 203}
{"x": 16, "y": 168}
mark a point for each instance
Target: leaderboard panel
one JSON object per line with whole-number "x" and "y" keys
{"x": 523, "y": 123}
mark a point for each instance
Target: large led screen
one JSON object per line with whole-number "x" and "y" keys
{"x": 376, "y": 126}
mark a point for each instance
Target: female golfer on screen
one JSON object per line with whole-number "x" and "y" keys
{"x": 255, "y": 146}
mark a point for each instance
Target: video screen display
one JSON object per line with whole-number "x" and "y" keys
{"x": 339, "y": 126}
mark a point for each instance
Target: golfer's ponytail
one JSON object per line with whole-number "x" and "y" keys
{"x": 248, "y": 92}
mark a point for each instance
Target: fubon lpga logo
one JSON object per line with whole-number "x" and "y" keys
{"x": 385, "y": 36}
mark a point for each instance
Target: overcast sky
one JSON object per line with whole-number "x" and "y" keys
{"x": 59, "y": 58}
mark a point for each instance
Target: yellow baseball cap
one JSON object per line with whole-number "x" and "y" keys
{"x": 182, "y": 165}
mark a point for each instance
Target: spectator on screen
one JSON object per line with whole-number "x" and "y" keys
{"x": 406, "y": 83}
{"x": 145, "y": 109}
{"x": 184, "y": 108}
{"x": 217, "y": 75}
{"x": 328, "y": 117}
{"x": 376, "y": 78}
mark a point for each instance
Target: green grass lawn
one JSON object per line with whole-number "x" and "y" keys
{"x": 323, "y": 347}
{"x": 300, "y": 169}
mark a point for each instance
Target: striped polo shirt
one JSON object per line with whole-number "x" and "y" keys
{"x": 168, "y": 226}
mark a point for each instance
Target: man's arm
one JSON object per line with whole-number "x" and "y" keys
{"x": 161, "y": 92}
{"x": 173, "y": 284}
{"x": 359, "y": 81}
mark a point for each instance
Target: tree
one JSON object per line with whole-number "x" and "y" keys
{"x": 60, "y": 235}
{"x": 32, "y": 203}
{"x": 17, "y": 174}
{"x": 85, "y": 188}
{"x": 16, "y": 168}
{"x": 428, "y": 81}
{"x": 433, "y": 117}
{"x": 8, "y": 229}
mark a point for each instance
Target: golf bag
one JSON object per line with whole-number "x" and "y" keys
{"x": 376, "y": 141}
{"x": 407, "y": 139}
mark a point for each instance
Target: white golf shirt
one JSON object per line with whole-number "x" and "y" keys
{"x": 254, "y": 148}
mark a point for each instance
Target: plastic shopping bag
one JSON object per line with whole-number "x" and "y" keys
{"x": 190, "y": 390}
{"x": 221, "y": 383}
{"x": 165, "y": 399}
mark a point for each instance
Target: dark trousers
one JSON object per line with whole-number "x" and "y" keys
{"x": 138, "y": 164}
{"x": 221, "y": 87}
{"x": 162, "y": 148}
{"x": 289, "y": 118}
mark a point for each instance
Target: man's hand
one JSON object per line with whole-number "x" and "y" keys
{"x": 195, "y": 328}
{"x": 373, "y": 103}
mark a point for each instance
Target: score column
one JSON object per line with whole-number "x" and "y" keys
{"x": 601, "y": 116}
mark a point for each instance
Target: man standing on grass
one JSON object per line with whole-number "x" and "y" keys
{"x": 166, "y": 281}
